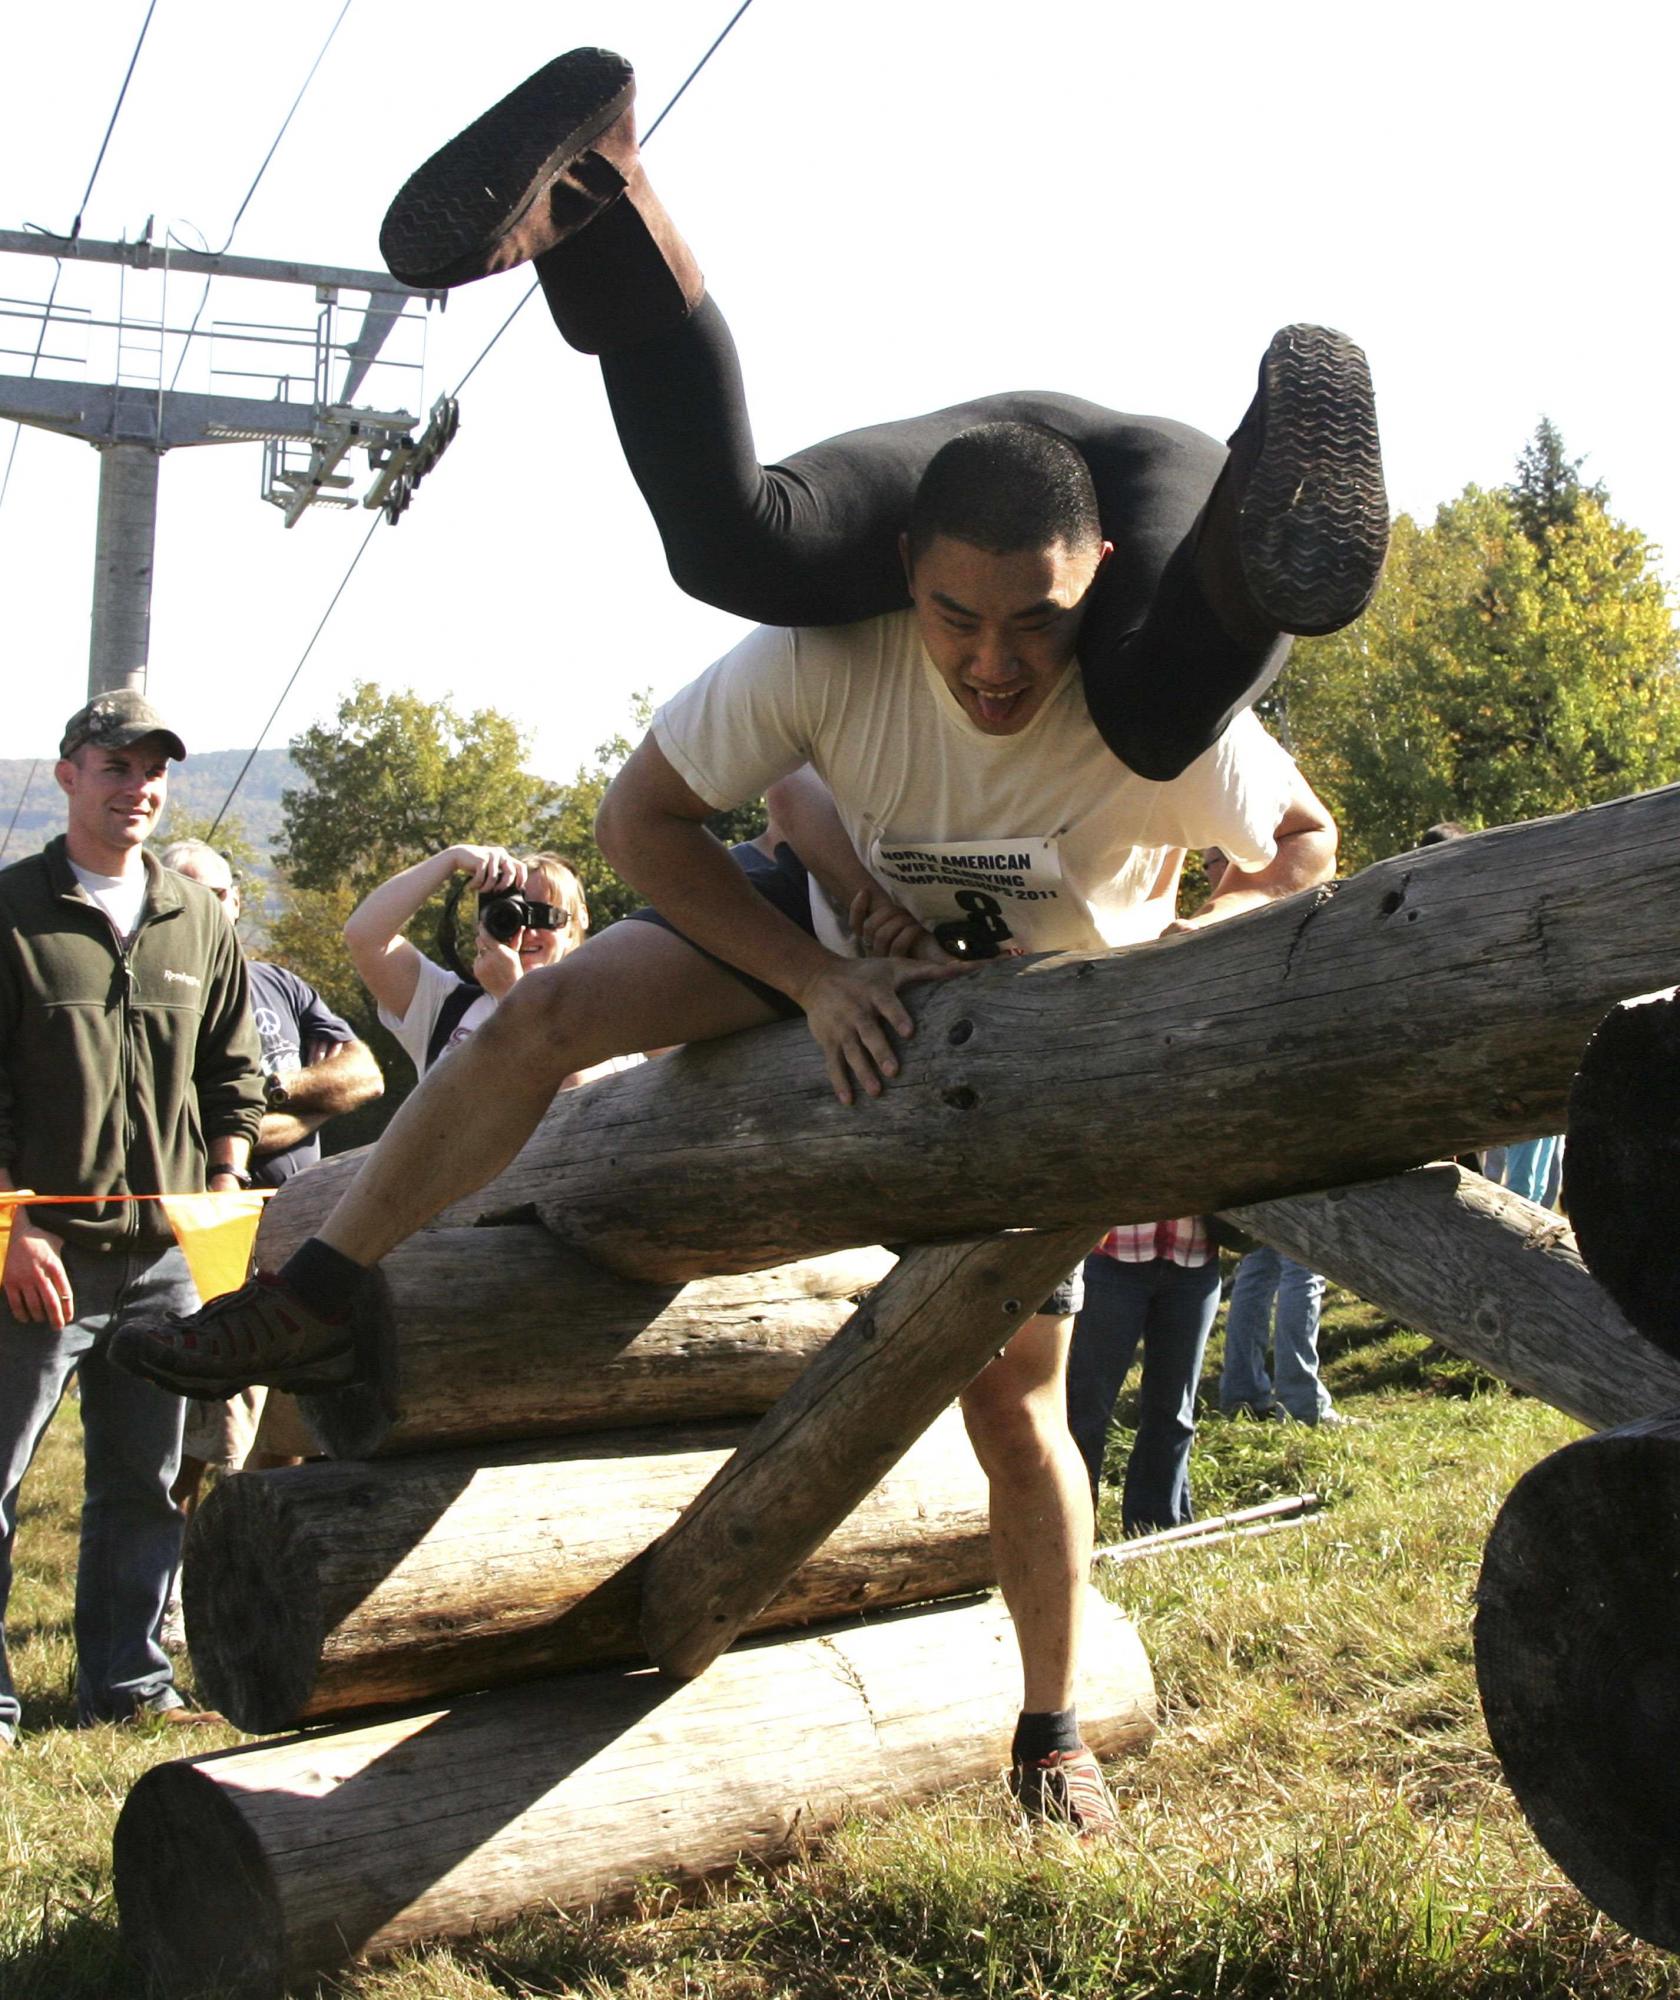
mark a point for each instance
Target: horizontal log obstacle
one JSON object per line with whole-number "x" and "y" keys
{"x": 1438, "y": 1001}
{"x": 329, "y": 1589}
{"x": 505, "y": 1333}
{"x": 1621, "y": 1164}
{"x": 1578, "y": 1660}
{"x": 936, "y": 1319}
{"x": 1488, "y": 1274}
{"x": 260, "y": 1868}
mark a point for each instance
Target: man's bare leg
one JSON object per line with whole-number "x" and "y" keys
{"x": 314, "y": 1326}
{"x": 1016, "y": 1413}
{"x": 634, "y": 987}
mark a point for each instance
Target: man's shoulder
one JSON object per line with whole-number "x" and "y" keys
{"x": 34, "y": 878}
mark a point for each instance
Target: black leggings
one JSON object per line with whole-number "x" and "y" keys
{"x": 814, "y": 541}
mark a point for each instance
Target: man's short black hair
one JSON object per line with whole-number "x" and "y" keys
{"x": 1004, "y": 487}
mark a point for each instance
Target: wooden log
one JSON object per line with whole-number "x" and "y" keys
{"x": 505, "y": 1333}
{"x": 1437, "y": 1002}
{"x": 1621, "y": 1164}
{"x": 258, "y": 1869}
{"x": 1577, "y": 1644}
{"x": 929, "y": 1327}
{"x": 330, "y": 1589}
{"x": 1486, "y": 1273}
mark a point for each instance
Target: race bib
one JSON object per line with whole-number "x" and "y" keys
{"x": 981, "y": 899}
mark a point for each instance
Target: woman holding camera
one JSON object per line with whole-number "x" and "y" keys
{"x": 531, "y": 912}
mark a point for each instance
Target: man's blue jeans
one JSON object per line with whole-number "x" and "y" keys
{"x": 1264, "y": 1276}
{"x": 131, "y": 1445}
{"x": 1169, "y": 1308}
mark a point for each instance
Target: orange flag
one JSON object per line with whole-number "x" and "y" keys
{"x": 217, "y": 1233}
{"x": 8, "y": 1202}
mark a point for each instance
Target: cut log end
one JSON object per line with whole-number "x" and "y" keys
{"x": 256, "y": 1626}
{"x": 1622, "y": 1164}
{"x": 1578, "y": 1660}
{"x": 197, "y": 1900}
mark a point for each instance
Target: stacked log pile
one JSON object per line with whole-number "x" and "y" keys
{"x": 344, "y": 1587}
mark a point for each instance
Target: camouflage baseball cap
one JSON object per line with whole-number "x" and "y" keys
{"x": 114, "y": 720}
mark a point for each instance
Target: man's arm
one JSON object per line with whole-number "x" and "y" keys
{"x": 1306, "y": 856}
{"x": 651, "y": 829}
{"x": 36, "y": 1284}
{"x": 227, "y": 1064}
{"x": 342, "y": 1078}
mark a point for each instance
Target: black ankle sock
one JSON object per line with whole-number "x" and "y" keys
{"x": 324, "y": 1278}
{"x": 1039, "y": 1732}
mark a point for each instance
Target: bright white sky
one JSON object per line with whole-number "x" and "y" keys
{"x": 899, "y": 204}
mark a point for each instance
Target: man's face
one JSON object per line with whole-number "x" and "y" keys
{"x": 1001, "y": 628}
{"x": 214, "y": 871}
{"x": 115, "y": 795}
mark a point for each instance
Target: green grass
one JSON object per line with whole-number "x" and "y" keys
{"x": 1321, "y": 1815}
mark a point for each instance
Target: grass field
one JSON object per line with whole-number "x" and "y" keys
{"x": 1320, "y": 1816}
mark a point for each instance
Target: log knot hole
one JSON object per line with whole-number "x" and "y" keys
{"x": 959, "y": 1032}
{"x": 962, "y": 1097}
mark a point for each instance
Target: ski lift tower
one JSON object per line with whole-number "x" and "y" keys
{"x": 134, "y": 419}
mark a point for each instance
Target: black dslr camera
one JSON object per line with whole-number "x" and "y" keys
{"x": 505, "y": 913}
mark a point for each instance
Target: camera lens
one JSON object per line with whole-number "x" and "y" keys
{"x": 503, "y": 918}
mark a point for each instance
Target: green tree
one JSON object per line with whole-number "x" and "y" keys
{"x": 395, "y": 778}
{"x": 233, "y": 843}
{"x": 1519, "y": 659}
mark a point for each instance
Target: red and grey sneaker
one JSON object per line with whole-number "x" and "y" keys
{"x": 261, "y": 1333}
{"x": 522, "y": 178}
{"x": 1065, "y": 1789}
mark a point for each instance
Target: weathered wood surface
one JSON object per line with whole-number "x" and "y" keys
{"x": 1577, "y": 1644}
{"x": 263, "y": 1867}
{"x": 328, "y": 1589}
{"x": 1621, "y": 1165}
{"x": 1486, "y": 1273}
{"x": 925, "y": 1331}
{"x": 505, "y": 1333}
{"x": 1437, "y": 1002}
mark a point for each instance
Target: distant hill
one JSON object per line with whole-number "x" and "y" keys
{"x": 198, "y": 787}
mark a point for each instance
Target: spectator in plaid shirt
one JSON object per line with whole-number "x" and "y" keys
{"x": 1156, "y": 1283}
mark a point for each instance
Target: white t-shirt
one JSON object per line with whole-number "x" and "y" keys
{"x": 121, "y": 897}
{"x": 432, "y": 989}
{"x": 1044, "y": 837}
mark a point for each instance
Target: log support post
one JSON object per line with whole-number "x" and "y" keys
{"x": 923, "y": 1334}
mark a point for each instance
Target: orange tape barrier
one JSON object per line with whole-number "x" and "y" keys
{"x": 216, "y": 1232}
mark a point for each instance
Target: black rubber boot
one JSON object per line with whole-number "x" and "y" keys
{"x": 1294, "y": 534}
{"x": 536, "y": 167}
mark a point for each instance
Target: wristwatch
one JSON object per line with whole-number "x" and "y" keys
{"x": 232, "y": 1173}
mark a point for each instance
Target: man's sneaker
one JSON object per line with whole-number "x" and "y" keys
{"x": 1065, "y": 1789}
{"x": 167, "y": 1707}
{"x": 534, "y": 169}
{"x": 1306, "y": 484}
{"x": 1268, "y": 1412}
{"x": 262, "y": 1333}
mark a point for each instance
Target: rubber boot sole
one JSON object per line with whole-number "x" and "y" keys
{"x": 1312, "y": 528}
{"x": 454, "y": 214}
